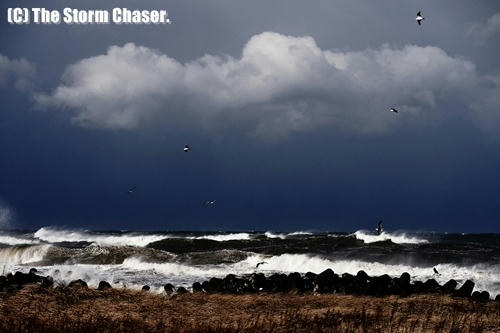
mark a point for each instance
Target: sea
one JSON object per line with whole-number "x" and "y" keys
{"x": 131, "y": 259}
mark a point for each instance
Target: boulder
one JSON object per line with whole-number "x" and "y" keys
{"x": 401, "y": 286}
{"x": 103, "y": 285}
{"x": 258, "y": 282}
{"x": 431, "y": 286}
{"x": 78, "y": 284}
{"x": 145, "y": 288}
{"x": 326, "y": 282}
{"x": 497, "y": 298}
{"x": 295, "y": 282}
{"x": 197, "y": 288}
{"x": 213, "y": 285}
{"x": 485, "y": 296}
{"x": 449, "y": 287}
{"x": 47, "y": 282}
{"x": 169, "y": 288}
{"x": 278, "y": 283}
{"x": 309, "y": 281}
{"x": 379, "y": 285}
{"x": 465, "y": 290}
{"x": 181, "y": 290}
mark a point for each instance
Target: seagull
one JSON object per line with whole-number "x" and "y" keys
{"x": 394, "y": 110}
{"x": 130, "y": 191}
{"x": 435, "y": 271}
{"x": 186, "y": 149}
{"x": 419, "y": 18}
{"x": 260, "y": 263}
{"x": 209, "y": 202}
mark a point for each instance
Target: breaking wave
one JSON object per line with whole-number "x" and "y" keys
{"x": 18, "y": 255}
{"x": 224, "y": 237}
{"x": 128, "y": 239}
{"x": 12, "y": 240}
{"x": 398, "y": 238}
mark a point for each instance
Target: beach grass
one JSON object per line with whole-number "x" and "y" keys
{"x": 37, "y": 309}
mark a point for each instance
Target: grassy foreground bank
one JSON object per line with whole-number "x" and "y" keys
{"x": 37, "y": 309}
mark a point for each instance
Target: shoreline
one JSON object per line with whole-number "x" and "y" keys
{"x": 34, "y": 308}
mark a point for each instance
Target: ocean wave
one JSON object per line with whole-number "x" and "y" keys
{"x": 18, "y": 255}
{"x": 129, "y": 239}
{"x": 224, "y": 237}
{"x": 13, "y": 240}
{"x": 270, "y": 234}
{"x": 398, "y": 238}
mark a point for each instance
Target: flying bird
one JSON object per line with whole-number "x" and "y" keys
{"x": 209, "y": 202}
{"x": 131, "y": 190}
{"x": 186, "y": 149}
{"x": 435, "y": 271}
{"x": 394, "y": 110}
{"x": 260, "y": 263}
{"x": 419, "y": 18}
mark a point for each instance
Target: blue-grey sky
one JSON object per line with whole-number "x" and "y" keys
{"x": 284, "y": 103}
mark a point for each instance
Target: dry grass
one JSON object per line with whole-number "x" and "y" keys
{"x": 35, "y": 309}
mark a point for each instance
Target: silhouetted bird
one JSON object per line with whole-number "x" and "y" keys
{"x": 186, "y": 149}
{"x": 130, "y": 191}
{"x": 379, "y": 227}
{"x": 419, "y": 18}
{"x": 393, "y": 110}
{"x": 209, "y": 202}
{"x": 435, "y": 271}
{"x": 260, "y": 263}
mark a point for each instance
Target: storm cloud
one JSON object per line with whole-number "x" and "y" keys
{"x": 279, "y": 84}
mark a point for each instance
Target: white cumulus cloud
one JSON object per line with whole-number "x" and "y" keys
{"x": 280, "y": 84}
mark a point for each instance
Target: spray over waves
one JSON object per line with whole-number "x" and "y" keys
{"x": 58, "y": 236}
{"x": 18, "y": 255}
{"x": 398, "y": 238}
{"x": 13, "y": 240}
{"x": 270, "y": 234}
{"x": 224, "y": 237}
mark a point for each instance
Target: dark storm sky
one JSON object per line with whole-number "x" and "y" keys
{"x": 285, "y": 104}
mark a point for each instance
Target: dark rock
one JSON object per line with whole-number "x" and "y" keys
{"x": 197, "y": 288}
{"x": 103, "y": 285}
{"x": 258, "y": 281}
{"x": 47, "y": 282}
{"x": 497, "y": 298}
{"x": 295, "y": 282}
{"x": 465, "y": 290}
{"x": 347, "y": 284}
{"x": 145, "y": 288}
{"x": 449, "y": 287}
{"x": 181, "y": 290}
{"x": 405, "y": 278}
{"x": 379, "y": 285}
{"x": 485, "y": 296}
{"x": 326, "y": 282}
{"x": 362, "y": 276}
{"x": 431, "y": 286}
{"x": 33, "y": 271}
{"x": 278, "y": 283}
{"x": 213, "y": 285}
{"x": 78, "y": 284}
{"x": 401, "y": 286}
{"x": 232, "y": 284}
{"x": 169, "y": 288}
{"x": 476, "y": 296}
{"x": 309, "y": 281}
